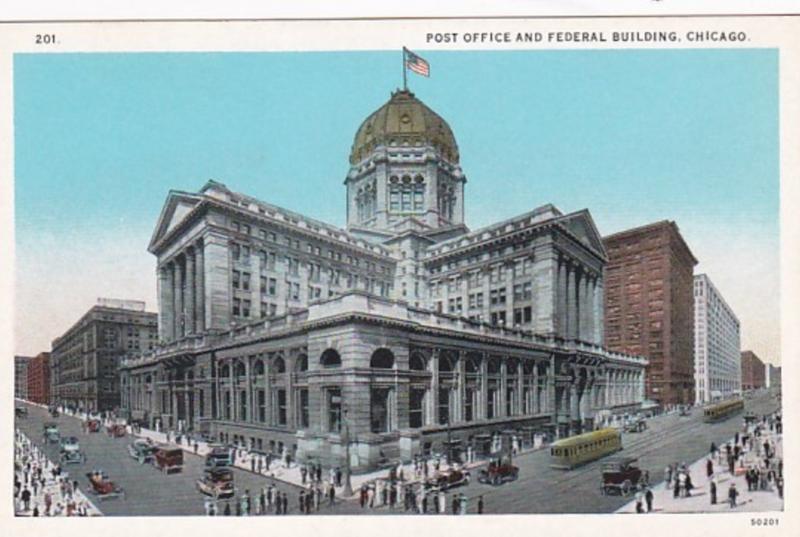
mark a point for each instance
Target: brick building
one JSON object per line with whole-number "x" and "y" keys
{"x": 753, "y": 372}
{"x": 85, "y": 360}
{"x": 39, "y": 378}
{"x": 649, "y": 306}
{"x": 21, "y": 376}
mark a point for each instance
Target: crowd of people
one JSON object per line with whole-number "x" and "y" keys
{"x": 42, "y": 488}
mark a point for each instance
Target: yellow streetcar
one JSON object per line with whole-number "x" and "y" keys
{"x": 723, "y": 410}
{"x": 576, "y": 450}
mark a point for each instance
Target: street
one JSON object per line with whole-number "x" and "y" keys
{"x": 540, "y": 489}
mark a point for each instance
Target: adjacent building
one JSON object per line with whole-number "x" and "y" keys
{"x": 21, "y": 376}
{"x": 86, "y": 358}
{"x": 649, "y": 306}
{"x": 399, "y": 335}
{"x": 717, "y": 353}
{"x": 753, "y": 373}
{"x": 39, "y": 379}
{"x": 773, "y": 376}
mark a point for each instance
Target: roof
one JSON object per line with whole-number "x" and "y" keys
{"x": 404, "y": 120}
{"x": 602, "y": 434}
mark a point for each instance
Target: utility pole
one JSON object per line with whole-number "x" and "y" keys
{"x": 348, "y": 485}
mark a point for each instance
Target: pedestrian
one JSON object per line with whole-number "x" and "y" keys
{"x": 278, "y": 503}
{"x": 454, "y": 504}
{"x": 648, "y": 498}
{"x": 709, "y": 468}
{"x": 639, "y": 501}
{"x": 303, "y": 472}
{"x": 331, "y": 495}
{"x": 732, "y": 494}
{"x": 285, "y": 503}
{"x": 227, "y": 511}
{"x": 676, "y": 489}
{"x": 338, "y": 476}
{"x": 262, "y": 501}
{"x": 196, "y": 447}
{"x": 713, "y": 490}
{"x": 480, "y": 505}
{"x": 301, "y": 500}
{"x": 238, "y": 508}
{"x": 779, "y": 483}
{"x": 26, "y": 498}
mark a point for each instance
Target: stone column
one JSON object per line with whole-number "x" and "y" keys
{"x": 572, "y": 304}
{"x": 434, "y": 390}
{"x": 216, "y": 278}
{"x": 200, "y": 308}
{"x": 561, "y": 299}
{"x": 180, "y": 310}
{"x": 190, "y": 298}
{"x": 484, "y": 387}
{"x": 599, "y": 317}
{"x": 520, "y": 384}
{"x": 458, "y": 411}
{"x": 165, "y": 310}
{"x": 503, "y": 387}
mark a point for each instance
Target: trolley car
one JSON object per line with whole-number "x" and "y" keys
{"x": 576, "y": 450}
{"x": 723, "y": 410}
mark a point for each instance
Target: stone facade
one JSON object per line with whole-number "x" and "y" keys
{"x": 753, "y": 373}
{"x": 21, "y": 376}
{"x": 85, "y": 360}
{"x": 717, "y": 353}
{"x": 392, "y": 337}
{"x": 39, "y": 378}
{"x": 649, "y": 306}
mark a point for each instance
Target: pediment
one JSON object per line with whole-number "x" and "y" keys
{"x": 582, "y": 226}
{"x": 176, "y": 208}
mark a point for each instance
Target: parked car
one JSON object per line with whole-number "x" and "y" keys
{"x": 219, "y": 456}
{"x": 217, "y": 483}
{"x": 446, "y": 479}
{"x": 102, "y": 487}
{"x": 142, "y": 451}
{"x": 21, "y": 412}
{"x": 93, "y": 425}
{"x": 168, "y": 459}
{"x": 622, "y": 475}
{"x": 498, "y": 472}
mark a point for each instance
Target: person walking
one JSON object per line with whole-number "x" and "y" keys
{"x": 480, "y": 505}
{"x": 331, "y": 495}
{"x": 454, "y": 504}
{"x": 648, "y": 498}
{"x": 26, "y": 498}
{"x": 732, "y": 494}
{"x": 668, "y": 476}
{"x": 639, "y": 501}
{"x": 709, "y": 468}
{"x": 285, "y": 503}
{"x": 227, "y": 510}
{"x": 713, "y": 491}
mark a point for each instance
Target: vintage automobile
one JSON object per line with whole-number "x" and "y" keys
{"x": 72, "y": 457}
{"x": 54, "y": 412}
{"x": 93, "y": 425}
{"x": 622, "y": 475}
{"x": 21, "y": 412}
{"x": 219, "y": 456}
{"x": 636, "y": 425}
{"x": 51, "y": 434}
{"x": 102, "y": 487}
{"x": 116, "y": 430}
{"x": 446, "y": 479}
{"x": 498, "y": 472}
{"x": 168, "y": 459}
{"x": 142, "y": 451}
{"x": 217, "y": 483}
{"x": 69, "y": 443}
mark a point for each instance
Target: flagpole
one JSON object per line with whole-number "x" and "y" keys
{"x": 405, "y": 76}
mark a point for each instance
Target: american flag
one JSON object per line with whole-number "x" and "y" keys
{"x": 417, "y": 64}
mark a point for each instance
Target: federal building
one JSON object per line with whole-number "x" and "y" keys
{"x": 399, "y": 335}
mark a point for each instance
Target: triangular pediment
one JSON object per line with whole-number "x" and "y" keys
{"x": 582, "y": 226}
{"x": 175, "y": 210}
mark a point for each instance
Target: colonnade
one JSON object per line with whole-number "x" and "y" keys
{"x": 181, "y": 293}
{"x": 579, "y": 302}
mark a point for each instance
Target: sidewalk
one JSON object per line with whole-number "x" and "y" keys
{"x": 23, "y": 446}
{"x": 700, "y": 499}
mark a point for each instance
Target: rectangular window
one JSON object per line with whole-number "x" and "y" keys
{"x": 334, "y": 402}
{"x": 379, "y": 410}
{"x": 492, "y": 393}
{"x": 469, "y": 394}
{"x": 302, "y": 420}
{"x": 264, "y": 311}
{"x": 444, "y": 406}
{"x": 245, "y": 308}
{"x": 281, "y": 407}
{"x": 246, "y": 254}
{"x": 236, "y": 280}
{"x": 262, "y": 259}
{"x": 415, "y": 406}
{"x": 263, "y": 284}
{"x": 237, "y": 307}
{"x": 246, "y": 281}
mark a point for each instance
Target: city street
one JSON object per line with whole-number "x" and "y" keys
{"x": 540, "y": 489}
{"x": 147, "y": 490}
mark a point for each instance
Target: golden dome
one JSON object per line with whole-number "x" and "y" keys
{"x": 404, "y": 121}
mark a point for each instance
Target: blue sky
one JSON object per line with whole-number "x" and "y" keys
{"x": 635, "y": 136}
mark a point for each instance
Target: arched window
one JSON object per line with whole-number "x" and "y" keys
{"x": 382, "y": 359}
{"x": 330, "y": 358}
{"x": 493, "y": 366}
{"x": 279, "y": 365}
{"x": 472, "y": 365}
{"x": 301, "y": 364}
{"x": 240, "y": 370}
{"x": 445, "y": 363}
{"x": 224, "y": 371}
{"x": 416, "y": 362}
{"x": 258, "y": 367}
